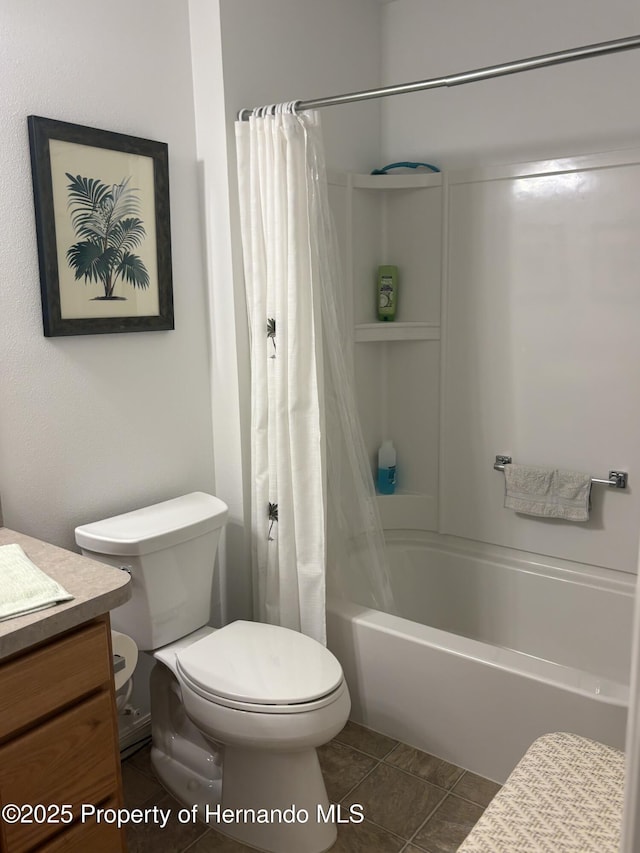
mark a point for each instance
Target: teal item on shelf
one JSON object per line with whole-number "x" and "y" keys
{"x": 386, "y": 468}
{"x": 404, "y": 165}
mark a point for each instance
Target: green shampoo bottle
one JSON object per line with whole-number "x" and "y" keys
{"x": 387, "y": 292}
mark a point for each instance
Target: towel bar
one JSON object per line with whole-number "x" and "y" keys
{"x": 617, "y": 479}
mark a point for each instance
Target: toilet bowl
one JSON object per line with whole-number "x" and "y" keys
{"x": 237, "y": 712}
{"x": 270, "y": 696}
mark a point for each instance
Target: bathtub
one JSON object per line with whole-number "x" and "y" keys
{"x": 490, "y": 649}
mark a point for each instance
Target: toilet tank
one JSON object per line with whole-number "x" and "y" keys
{"x": 169, "y": 549}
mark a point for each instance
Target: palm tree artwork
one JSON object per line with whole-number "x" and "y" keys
{"x": 273, "y": 519}
{"x": 271, "y": 334}
{"x": 106, "y": 219}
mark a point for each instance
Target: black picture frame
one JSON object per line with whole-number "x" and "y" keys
{"x": 103, "y": 229}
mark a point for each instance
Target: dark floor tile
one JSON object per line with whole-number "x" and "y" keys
{"x": 365, "y": 838}
{"x": 141, "y": 760}
{"x": 476, "y": 788}
{"x": 448, "y": 827}
{"x": 365, "y": 740}
{"x": 150, "y": 837}
{"x": 352, "y": 838}
{"x": 394, "y": 800}
{"x": 428, "y": 767}
{"x": 342, "y": 769}
{"x": 214, "y": 842}
{"x": 138, "y": 787}
{"x": 391, "y": 798}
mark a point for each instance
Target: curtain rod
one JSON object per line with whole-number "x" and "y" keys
{"x": 514, "y": 67}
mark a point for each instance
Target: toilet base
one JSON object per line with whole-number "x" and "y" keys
{"x": 186, "y": 763}
{"x": 200, "y": 771}
{"x": 275, "y": 801}
{"x": 185, "y": 783}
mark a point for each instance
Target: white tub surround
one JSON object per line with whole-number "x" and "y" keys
{"x": 504, "y": 652}
{"x": 511, "y": 273}
{"x": 507, "y": 277}
{"x": 541, "y": 257}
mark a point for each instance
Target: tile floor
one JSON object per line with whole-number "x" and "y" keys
{"x": 413, "y": 802}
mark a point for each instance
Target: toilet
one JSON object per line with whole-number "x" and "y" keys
{"x": 236, "y": 712}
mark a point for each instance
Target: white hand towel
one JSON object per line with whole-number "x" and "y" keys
{"x": 547, "y": 492}
{"x": 24, "y": 588}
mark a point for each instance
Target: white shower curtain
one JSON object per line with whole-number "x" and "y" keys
{"x": 313, "y": 503}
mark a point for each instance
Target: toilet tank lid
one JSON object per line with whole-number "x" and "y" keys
{"x": 152, "y": 528}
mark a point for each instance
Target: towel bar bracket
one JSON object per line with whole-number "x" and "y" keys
{"x": 501, "y": 461}
{"x": 617, "y": 479}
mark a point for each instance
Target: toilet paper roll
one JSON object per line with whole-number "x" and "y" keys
{"x": 123, "y": 645}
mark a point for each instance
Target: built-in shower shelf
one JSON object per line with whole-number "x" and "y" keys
{"x": 391, "y": 181}
{"x": 394, "y": 331}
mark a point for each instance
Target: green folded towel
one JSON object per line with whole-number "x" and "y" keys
{"x": 24, "y": 588}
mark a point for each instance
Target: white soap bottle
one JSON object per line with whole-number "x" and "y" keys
{"x": 387, "y": 468}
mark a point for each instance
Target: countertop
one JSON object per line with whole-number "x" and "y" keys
{"x": 96, "y": 589}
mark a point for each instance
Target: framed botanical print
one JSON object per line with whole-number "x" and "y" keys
{"x": 103, "y": 229}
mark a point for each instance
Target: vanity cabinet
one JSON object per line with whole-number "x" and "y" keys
{"x": 59, "y": 742}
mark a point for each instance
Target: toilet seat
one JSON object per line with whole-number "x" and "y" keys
{"x": 252, "y": 666}
{"x": 258, "y": 708}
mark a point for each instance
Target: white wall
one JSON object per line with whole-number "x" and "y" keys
{"x": 583, "y": 106}
{"x": 98, "y": 424}
{"x": 227, "y": 319}
{"x": 288, "y": 50}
